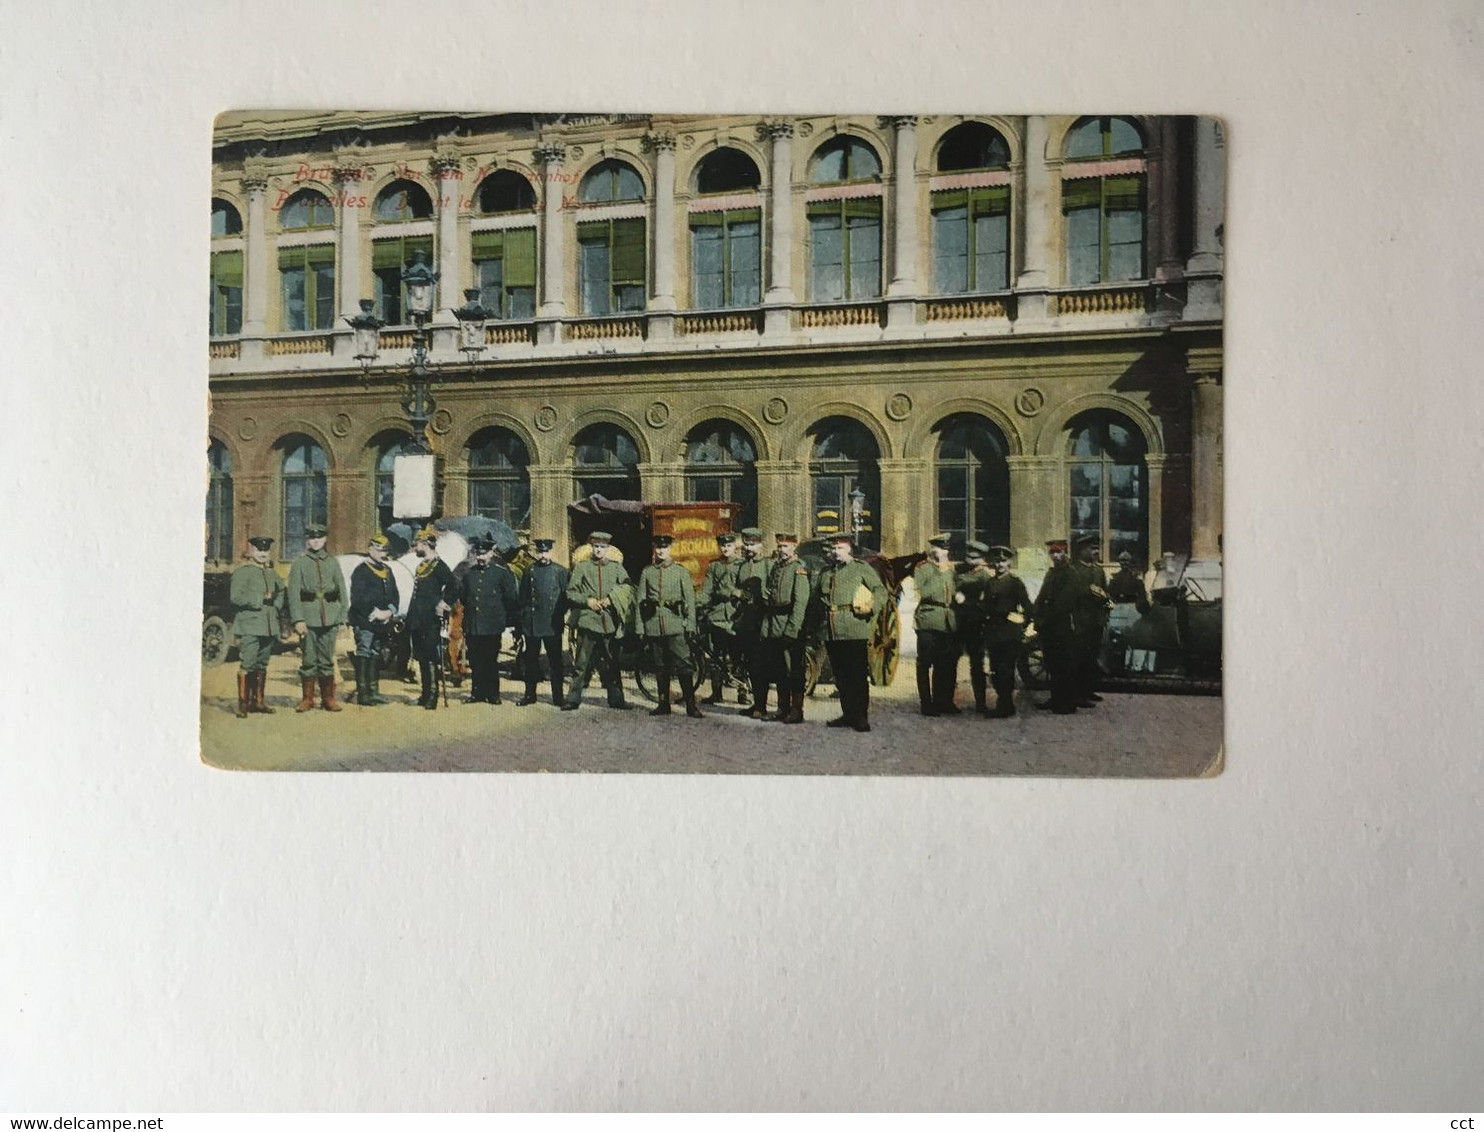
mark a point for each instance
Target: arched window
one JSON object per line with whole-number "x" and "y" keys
{"x": 1103, "y": 202}
{"x": 401, "y": 201}
{"x": 970, "y": 146}
{"x": 219, "y": 503}
{"x": 305, "y": 491}
{"x": 225, "y": 219}
{"x": 611, "y": 260}
{"x": 727, "y": 170}
{"x": 720, "y": 465}
{"x": 606, "y": 461}
{"x": 973, "y": 481}
{"x": 499, "y": 477}
{"x": 609, "y": 181}
{"x": 844, "y": 233}
{"x": 306, "y": 209}
{"x": 971, "y": 226}
{"x": 843, "y": 462}
{"x": 1108, "y": 484}
{"x": 388, "y": 447}
{"x": 506, "y": 191}
{"x": 726, "y": 245}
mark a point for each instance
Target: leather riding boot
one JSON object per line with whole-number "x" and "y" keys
{"x": 327, "y": 694}
{"x": 306, "y": 699}
{"x": 715, "y": 696}
{"x": 362, "y": 696}
{"x": 978, "y": 683}
{"x": 373, "y": 671}
{"x": 663, "y": 680}
{"x": 425, "y": 674}
{"x": 529, "y": 698}
{"x": 259, "y": 687}
{"x": 759, "y": 708}
{"x": 795, "y": 707}
{"x": 244, "y": 693}
{"x": 688, "y": 694}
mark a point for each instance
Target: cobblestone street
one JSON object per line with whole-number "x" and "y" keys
{"x": 1128, "y": 735}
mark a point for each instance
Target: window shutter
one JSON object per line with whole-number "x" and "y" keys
{"x": 743, "y": 215}
{"x": 386, "y": 253}
{"x": 1081, "y": 194}
{"x": 226, "y": 269}
{"x": 416, "y": 244}
{"x": 589, "y": 231}
{"x": 628, "y": 251}
{"x": 486, "y": 245}
{"x": 290, "y": 257}
{"x": 863, "y": 207}
{"x": 992, "y": 200}
{"x": 707, "y": 219}
{"x": 822, "y": 208}
{"x": 1124, "y": 193}
{"x": 952, "y": 198}
{"x": 319, "y": 253}
{"x": 520, "y": 257}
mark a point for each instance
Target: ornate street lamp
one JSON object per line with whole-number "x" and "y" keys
{"x": 472, "y": 316}
{"x": 368, "y": 335}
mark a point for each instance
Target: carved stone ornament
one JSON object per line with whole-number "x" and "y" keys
{"x": 898, "y": 405}
{"x": 688, "y": 141}
{"x": 254, "y": 182}
{"x": 443, "y": 164}
{"x": 656, "y": 143}
{"x": 657, "y": 415}
{"x": 248, "y": 428}
{"x": 806, "y": 129}
{"x": 550, "y": 153}
{"x": 340, "y": 426}
{"x": 546, "y": 418}
{"x": 441, "y": 421}
{"x": 767, "y": 131}
{"x": 348, "y": 174}
{"x": 775, "y": 410}
{"x": 1029, "y": 402}
{"x": 577, "y": 152}
{"x": 897, "y": 121}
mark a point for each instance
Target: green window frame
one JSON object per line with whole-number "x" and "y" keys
{"x": 226, "y": 293}
{"x": 844, "y": 249}
{"x": 505, "y": 271}
{"x": 307, "y": 284}
{"x": 389, "y": 258}
{"x": 1104, "y": 220}
{"x": 726, "y": 258}
{"x": 971, "y": 239}
{"x": 611, "y": 265}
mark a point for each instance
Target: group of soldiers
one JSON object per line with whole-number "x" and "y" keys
{"x": 758, "y": 613}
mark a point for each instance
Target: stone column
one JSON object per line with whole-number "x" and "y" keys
{"x": 662, "y": 296}
{"x": 1165, "y": 182}
{"x": 256, "y": 271}
{"x": 780, "y": 294}
{"x": 347, "y": 178}
{"x": 1205, "y": 445}
{"x": 904, "y": 223}
{"x": 663, "y": 480}
{"x": 254, "y": 510}
{"x": 1206, "y": 261}
{"x": 1037, "y": 507}
{"x": 1154, "y": 465}
{"x": 783, "y": 498}
{"x": 553, "y": 306}
{"x": 908, "y": 505}
{"x": 445, "y": 171}
{"x": 551, "y": 491}
{"x": 1033, "y": 303}
{"x": 347, "y": 526}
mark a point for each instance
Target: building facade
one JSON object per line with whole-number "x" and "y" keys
{"x": 1004, "y": 327}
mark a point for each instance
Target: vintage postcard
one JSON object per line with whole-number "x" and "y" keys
{"x": 758, "y": 444}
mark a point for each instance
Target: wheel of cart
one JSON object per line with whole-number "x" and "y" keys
{"x": 215, "y": 641}
{"x": 1032, "y": 665}
{"x": 884, "y": 648}
{"x": 639, "y": 662}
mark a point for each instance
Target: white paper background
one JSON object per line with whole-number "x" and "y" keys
{"x": 1303, "y": 931}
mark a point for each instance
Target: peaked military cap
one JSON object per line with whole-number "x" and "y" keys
{"x": 975, "y": 549}
{"x": 544, "y": 543}
{"x": 427, "y": 535}
{"x": 662, "y": 541}
{"x": 262, "y": 542}
{"x": 726, "y": 538}
{"x": 316, "y": 530}
{"x": 602, "y": 537}
{"x": 785, "y": 536}
{"x": 1001, "y": 554}
{"x": 752, "y": 534}
{"x": 379, "y": 540}
{"x": 841, "y": 536}
{"x": 1057, "y": 544}
{"x": 1085, "y": 540}
{"x": 940, "y": 539}
{"x": 482, "y": 543}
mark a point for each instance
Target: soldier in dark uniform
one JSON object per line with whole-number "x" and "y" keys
{"x": 596, "y": 591}
{"x": 318, "y": 601}
{"x": 1093, "y": 605}
{"x": 1055, "y": 624}
{"x": 937, "y": 644}
{"x": 258, "y": 597}
{"x": 785, "y": 611}
{"x": 434, "y": 591}
{"x": 488, "y": 595}
{"x": 847, "y": 598}
{"x": 1007, "y": 607}
{"x": 374, "y": 601}
{"x": 542, "y": 595}
{"x": 747, "y": 621}
{"x": 665, "y": 613}
{"x": 717, "y": 605}
{"x": 969, "y": 612}
{"x": 1127, "y": 586}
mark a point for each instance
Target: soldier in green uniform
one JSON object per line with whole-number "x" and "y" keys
{"x": 597, "y": 593}
{"x": 318, "y": 602}
{"x": 785, "y": 610}
{"x": 969, "y": 612}
{"x": 665, "y": 614}
{"x": 258, "y": 596}
{"x": 1006, "y": 606}
{"x": 937, "y": 644}
{"x": 747, "y": 620}
{"x": 717, "y": 606}
{"x": 847, "y": 598}
{"x": 1093, "y": 605}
